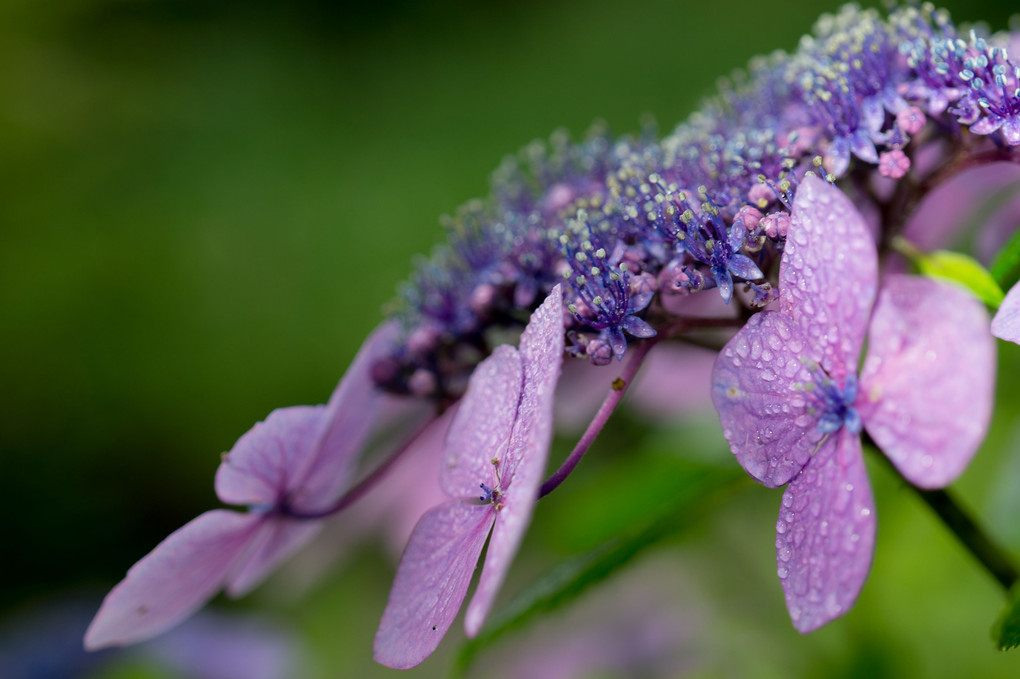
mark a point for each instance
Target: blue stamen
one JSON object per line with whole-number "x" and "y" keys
{"x": 835, "y": 404}
{"x": 491, "y": 494}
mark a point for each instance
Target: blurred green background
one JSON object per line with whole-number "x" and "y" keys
{"x": 203, "y": 207}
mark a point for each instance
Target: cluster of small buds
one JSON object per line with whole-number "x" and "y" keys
{"x": 709, "y": 204}
{"x": 607, "y": 296}
{"x": 702, "y": 234}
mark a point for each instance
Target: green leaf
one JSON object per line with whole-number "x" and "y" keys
{"x": 959, "y": 268}
{"x": 1006, "y": 631}
{"x": 568, "y": 580}
{"x": 1005, "y": 267}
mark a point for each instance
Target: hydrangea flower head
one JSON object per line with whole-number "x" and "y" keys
{"x": 497, "y": 444}
{"x": 792, "y": 406}
{"x": 299, "y": 460}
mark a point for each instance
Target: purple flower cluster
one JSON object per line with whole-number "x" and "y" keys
{"x": 708, "y": 205}
{"x": 780, "y": 194}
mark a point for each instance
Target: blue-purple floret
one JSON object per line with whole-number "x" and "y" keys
{"x": 703, "y": 235}
{"x": 863, "y": 93}
{"x": 603, "y": 299}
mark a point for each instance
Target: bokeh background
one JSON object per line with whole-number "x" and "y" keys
{"x": 203, "y": 207}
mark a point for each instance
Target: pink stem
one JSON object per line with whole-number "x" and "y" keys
{"x": 612, "y": 400}
{"x": 365, "y": 485}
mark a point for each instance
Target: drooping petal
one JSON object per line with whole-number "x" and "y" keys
{"x": 758, "y": 387}
{"x": 351, "y": 411}
{"x": 174, "y": 580}
{"x": 307, "y": 453}
{"x": 481, "y": 428}
{"x": 257, "y": 469}
{"x": 391, "y": 509}
{"x": 828, "y": 274}
{"x": 957, "y": 203}
{"x": 675, "y": 382}
{"x": 638, "y": 327}
{"x": 541, "y": 354}
{"x": 825, "y": 535}
{"x": 431, "y": 582}
{"x": 927, "y": 384}
{"x": 724, "y": 280}
{"x": 278, "y": 538}
{"x": 1006, "y": 324}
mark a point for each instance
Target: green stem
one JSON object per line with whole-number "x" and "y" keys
{"x": 995, "y": 560}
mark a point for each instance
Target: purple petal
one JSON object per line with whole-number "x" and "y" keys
{"x": 541, "y": 354}
{"x": 221, "y": 646}
{"x": 986, "y": 125}
{"x": 307, "y": 452}
{"x": 825, "y": 535}
{"x": 953, "y": 205}
{"x": 481, "y": 428}
{"x": 1006, "y": 324}
{"x": 827, "y": 275}
{"x": 637, "y": 302}
{"x": 998, "y": 227}
{"x": 655, "y": 395}
{"x": 352, "y": 409}
{"x": 744, "y": 267}
{"x": 257, "y": 469}
{"x": 837, "y": 157}
{"x": 872, "y": 114}
{"x": 763, "y": 407}
{"x": 724, "y": 280}
{"x": 174, "y": 580}
{"x": 1011, "y": 130}
{"x": 390, "y": 510}
{"x": 928, "y": 381}
{"x": 617, "y": 341}
{"x": 277, "y": 539}
{"x": 431, "y": 582}
{"x": 638, "y": 327}
{"x": 863, "y": 147}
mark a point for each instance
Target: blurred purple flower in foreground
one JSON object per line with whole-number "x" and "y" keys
{"x": 642, "y": 623}
{"x": 791, "y": 408}
{"x": 44, "y": 642}
{"x": 498, "y": 442}
{"x": 1006, "y": 324}
{"x": 299, "y": 460}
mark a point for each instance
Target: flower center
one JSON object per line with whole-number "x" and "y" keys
{"x": 835, "y": 404}
{"x": 492, "y": 495}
